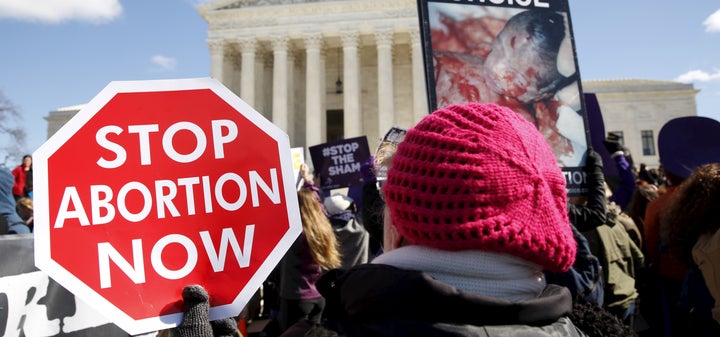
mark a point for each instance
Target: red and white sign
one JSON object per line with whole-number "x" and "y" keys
{"x": 156, "y": 185}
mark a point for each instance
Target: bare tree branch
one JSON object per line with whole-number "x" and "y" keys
{"x": 12, "y": 133}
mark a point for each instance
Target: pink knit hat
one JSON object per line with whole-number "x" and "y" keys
{"x": 480, "y": 176}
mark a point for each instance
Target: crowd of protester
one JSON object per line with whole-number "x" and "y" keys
{"x": 473, "y": 230}
{"x": 470, "y": 220}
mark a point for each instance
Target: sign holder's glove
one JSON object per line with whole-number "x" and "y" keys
{"x": 367, "y": 169}
{"x": 196, "y": 318}
{"x": 614, "y": 147}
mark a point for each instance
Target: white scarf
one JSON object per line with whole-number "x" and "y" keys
{"x": 486, "y": 273}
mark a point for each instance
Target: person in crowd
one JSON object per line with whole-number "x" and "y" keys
{"x": 598, "y": 322}
{"x": 622, "y": 194}
{"x": 600, "y": 222}
{"x": 664, "y": 272}
{"x": 590, "y": 210}
{"x": 372, "y": 206}
{"x": 20, "y": 173}
{"x": 350, "y": 233}
{"x": 315, "y": 251}
{"x": 684, "y": 144}
{"x": 584, "y": 279}
{"x": 616, "y": 214}
{"x": 645, "y": 175}
{"x": 694, "y": 220}
{"x": 644, "y": 283}
{"x": 13, "y": 223}
{"x": 642, "y": 196}
{"x": 655, "y": 176}
{"x": 3, "y": 225}
{"x": 24, "y": 207}
{"x": 476, "y": 210}
{"x": 621, "y": 260}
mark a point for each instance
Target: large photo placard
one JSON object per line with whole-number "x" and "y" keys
{"x": 519, "y": 54}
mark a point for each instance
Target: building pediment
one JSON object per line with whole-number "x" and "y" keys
{"x": 228, "y": 19}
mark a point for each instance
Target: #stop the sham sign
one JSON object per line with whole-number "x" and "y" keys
{"x": 155, "y": 185}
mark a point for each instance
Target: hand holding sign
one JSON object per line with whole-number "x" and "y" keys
{"x": 305, "y": 172}
{"x": 369, "y": 171}
{"x": 196, "y": 317}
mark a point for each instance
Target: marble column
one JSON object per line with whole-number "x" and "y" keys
{"x": 313, "y": 91}
{"x": 247, "y": 72}
{"x": 352, "y": 118}
{"x": 323, "y": 94}
{"x": 420, "y": 101}
{"x": 386, "y": 109}
{"x": 292, "y": 109}
{"x": 280, "y": 82}
{"x": 217, "y": 58}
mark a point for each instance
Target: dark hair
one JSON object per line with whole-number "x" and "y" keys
{"x": 693, "y": 210}
{"x": 641, "y": 197}
{"x": 598, "y": 322}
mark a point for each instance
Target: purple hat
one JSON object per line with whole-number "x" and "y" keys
{"x": 685, "y": 143}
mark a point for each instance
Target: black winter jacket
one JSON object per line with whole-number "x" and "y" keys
{"x": 381, "y": 300}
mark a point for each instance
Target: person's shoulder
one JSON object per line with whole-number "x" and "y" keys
{"x": 19, "y": 228}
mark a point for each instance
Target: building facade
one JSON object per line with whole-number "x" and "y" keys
{"x": 637, "y": 109}
{"x": 321, "y": 70}
{"x": 324, "y": 70}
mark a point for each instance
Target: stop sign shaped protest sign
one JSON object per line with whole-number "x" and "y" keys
{"x": 156, "y": 185}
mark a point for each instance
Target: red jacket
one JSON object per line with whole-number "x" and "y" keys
{"x": 20, "y": 177}
{"x": 657, "y": 255}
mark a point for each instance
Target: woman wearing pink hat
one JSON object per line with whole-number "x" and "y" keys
{"x": 476, "y": 210}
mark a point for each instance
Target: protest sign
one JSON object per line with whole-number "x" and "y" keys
{"x": 298, "y": 158}
{"x": 518, "y": 54}
{"x": 597, "y": 133}
{"x": 338, "y": 163}
{"x": 32, "y": 304}
{"x": 386, "y": 149}
{"x": 156, "y": 185}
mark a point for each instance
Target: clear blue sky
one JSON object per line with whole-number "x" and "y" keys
{"x": 58, "y": 53}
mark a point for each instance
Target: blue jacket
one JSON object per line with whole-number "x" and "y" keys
{"x": 16, "y": 225}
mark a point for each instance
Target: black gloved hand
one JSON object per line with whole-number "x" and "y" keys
{"x": 196, "y": 317}
{"x": 226, "y": 327}
{"x": 593, "y": 160}
{"x": 613, "y": 146}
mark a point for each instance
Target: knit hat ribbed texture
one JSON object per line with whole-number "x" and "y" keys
{"x": 480, "y": 176}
